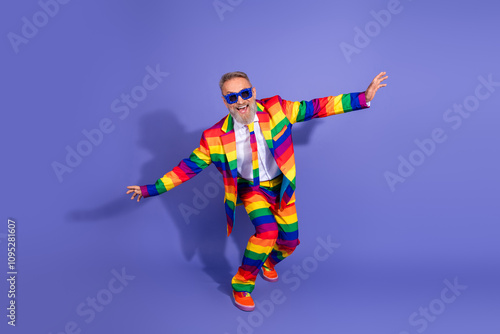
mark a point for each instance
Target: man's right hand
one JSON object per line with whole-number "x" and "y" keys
{"x": 136, "y": 190}
{"x": 375, "y": 85}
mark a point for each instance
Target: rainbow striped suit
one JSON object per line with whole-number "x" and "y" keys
{"x": 276, "y": 117}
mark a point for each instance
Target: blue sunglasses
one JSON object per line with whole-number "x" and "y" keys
{"x": 233, "y": 97}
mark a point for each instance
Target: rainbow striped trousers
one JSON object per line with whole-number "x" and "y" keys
{"x": 276, "y": 230}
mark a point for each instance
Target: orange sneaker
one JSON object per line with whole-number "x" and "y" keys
{"x": 269, "y": 274}
{"x": 243, "y": 301}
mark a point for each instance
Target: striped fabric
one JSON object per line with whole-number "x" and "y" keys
{"x": 255, "y": 155}
{"x": 276, "y": 232}
{"x": 276, "y": 117}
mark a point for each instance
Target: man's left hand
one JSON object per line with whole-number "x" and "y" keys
{"x": 374, "y": 86}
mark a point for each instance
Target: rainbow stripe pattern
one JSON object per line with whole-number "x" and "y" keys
{"x": 276, "y": 232}
{"x": 276, "y": 117}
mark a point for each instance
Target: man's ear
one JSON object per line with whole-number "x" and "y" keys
{"x": 254, "y": 92}
{"x": 224, "y": 100}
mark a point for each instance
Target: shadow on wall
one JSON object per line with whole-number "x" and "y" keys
{"x": 196, "y": 207}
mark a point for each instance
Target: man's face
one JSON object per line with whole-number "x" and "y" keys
{"x": 243, "y": 111}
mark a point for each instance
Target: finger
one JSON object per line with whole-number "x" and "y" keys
{"x": 382, "y": 79}
{"x": 380, "y": 76}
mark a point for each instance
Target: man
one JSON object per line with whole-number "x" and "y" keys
{"x": 252, "y": 148}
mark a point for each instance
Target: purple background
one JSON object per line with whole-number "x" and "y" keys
{"x": 397, "y": 245}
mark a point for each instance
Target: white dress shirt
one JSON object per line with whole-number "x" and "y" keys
{"x": 268, "y": 169}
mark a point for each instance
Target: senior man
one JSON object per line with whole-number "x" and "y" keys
{"x": 253, "y": 150}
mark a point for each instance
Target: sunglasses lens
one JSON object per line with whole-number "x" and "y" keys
{"x": 233, "y": 98}
{"x": 245, "y": 94}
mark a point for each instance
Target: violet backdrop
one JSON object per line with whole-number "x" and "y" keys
{"x": 398, "y": 204}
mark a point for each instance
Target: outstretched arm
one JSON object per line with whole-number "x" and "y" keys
{"x": 332, "y": 105}
{"x": 187, "y": 169}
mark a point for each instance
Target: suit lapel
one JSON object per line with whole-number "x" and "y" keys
{"x": 229, "y": 144}
{"x": 265, "y": 126}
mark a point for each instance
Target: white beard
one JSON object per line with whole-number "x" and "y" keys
{"x": 246, "y": 119}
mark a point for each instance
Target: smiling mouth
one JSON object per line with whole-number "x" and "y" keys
{"x": 242, "y": 109}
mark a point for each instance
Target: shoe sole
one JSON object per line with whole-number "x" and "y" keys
{"x": 244, "y": 307}
{"x": 269, "y": 279}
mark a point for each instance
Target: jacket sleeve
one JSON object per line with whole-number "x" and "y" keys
{"x": 185, "y": 170}
{"x": 324, "y": 106}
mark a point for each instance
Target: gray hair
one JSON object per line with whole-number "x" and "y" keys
{"x": 232, "y": 75}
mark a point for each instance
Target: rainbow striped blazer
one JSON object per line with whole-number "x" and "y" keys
{"x": 276, "y": 117}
